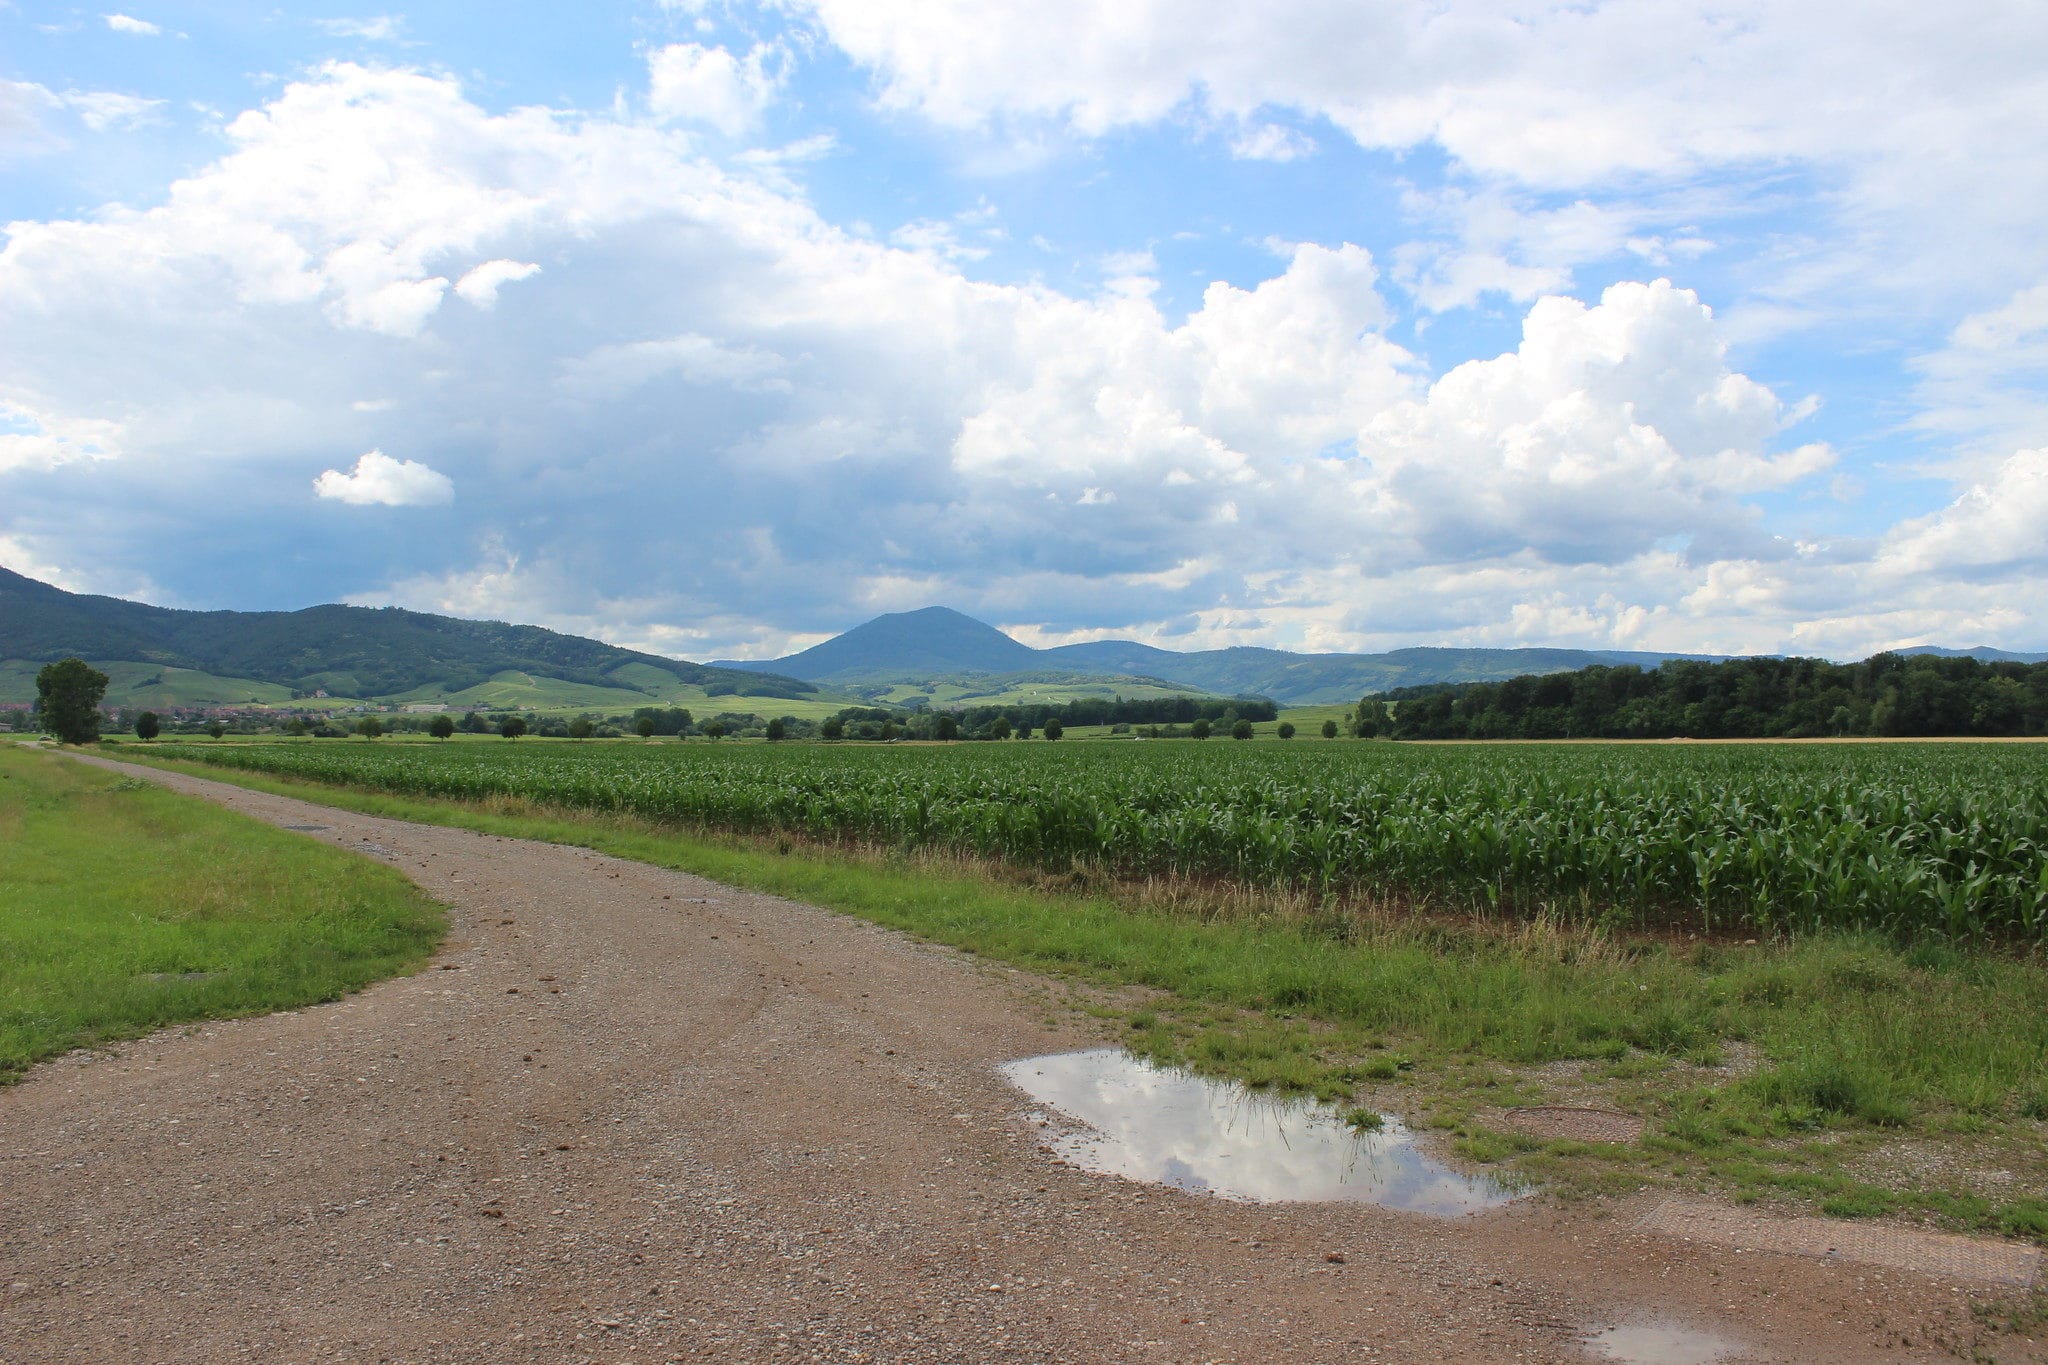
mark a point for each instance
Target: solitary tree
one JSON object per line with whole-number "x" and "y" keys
{"x": 442, "y": 728}
{"x": 644, "y": 727}
{"x": 1329, "y": 729}
{"x": 512, "y": 727}
{"x": 999, "y": 728}
{"x": 947, "y": 728}
{"x": 713, "y": 729}
{"x": 1053, "y": 728}
{"x": 1241, "y": 730}
{"x": 147, "y": 726}
{"x": 1286, "y": 730}
{"x": 369, "y": 727}
{"x": 296, "y": 726}
{"x": 1200, "y": 729}
{"x": 583, "y": 727}
{"x": 68, "y": 696}
{"x": 216, "y": 729}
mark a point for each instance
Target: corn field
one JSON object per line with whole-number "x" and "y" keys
{"x": 1945, "y": 841}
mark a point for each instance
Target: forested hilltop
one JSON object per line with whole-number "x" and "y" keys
{"x": 1884, "y": 695}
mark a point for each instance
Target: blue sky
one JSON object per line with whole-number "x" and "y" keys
{"x": 716, "y": 328}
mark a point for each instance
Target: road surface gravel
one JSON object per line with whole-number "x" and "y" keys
{"x": 627, "y": 1114}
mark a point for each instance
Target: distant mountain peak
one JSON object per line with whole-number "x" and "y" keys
{"x": 915, "y": 646}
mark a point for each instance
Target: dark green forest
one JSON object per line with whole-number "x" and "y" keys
{"x": 1885, "y": 695}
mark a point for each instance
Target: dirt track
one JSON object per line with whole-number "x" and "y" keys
{"x": 633, "y": 1115}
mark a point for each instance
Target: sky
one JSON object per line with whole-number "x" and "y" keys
{"x": 715, "y": 329}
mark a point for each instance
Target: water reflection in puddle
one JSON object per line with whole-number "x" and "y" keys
{"x": 1172, "y": 1127}
{"x": 1660, "y": 1343}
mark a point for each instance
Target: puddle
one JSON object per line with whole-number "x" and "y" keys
{"x": 1660, "y": 1343}
{"x": 1171, "y": 1127}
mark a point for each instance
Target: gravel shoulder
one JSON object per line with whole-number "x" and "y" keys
{"x": 628, "y": 1114}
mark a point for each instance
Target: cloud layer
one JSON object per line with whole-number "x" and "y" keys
{"x": 688, "y": 411}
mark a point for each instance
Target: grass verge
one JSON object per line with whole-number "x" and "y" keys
{"x": 125, "y": 907}
{"x": 1839, "y": 1071}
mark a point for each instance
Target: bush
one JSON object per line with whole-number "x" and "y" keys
{"x": 1286, "y": 730}
{"x": 1329, "y": 729}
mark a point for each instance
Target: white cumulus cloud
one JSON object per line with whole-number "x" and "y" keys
{"x": 481, "y": 285}
{"x": 379, "y": 480}
{"x": 688, "y": 82}
{"x": 128, "y": 23}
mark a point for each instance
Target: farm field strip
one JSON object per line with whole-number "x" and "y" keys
{"x": 1922, "y": 841}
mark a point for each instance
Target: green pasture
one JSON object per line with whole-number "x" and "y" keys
{"x": 125, "y": 908}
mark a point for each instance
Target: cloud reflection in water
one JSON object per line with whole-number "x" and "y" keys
{"x": 1168, "y": 1126}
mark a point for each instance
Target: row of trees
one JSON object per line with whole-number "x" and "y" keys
{"x": 1884, "y": 695}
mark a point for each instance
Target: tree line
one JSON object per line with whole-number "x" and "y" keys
{"x": 1886, "y": 695}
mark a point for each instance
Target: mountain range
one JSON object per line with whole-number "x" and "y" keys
{"x": 161, "y": 657}
{"x": 169, "y": 657}
{"x": 908, "y": 646}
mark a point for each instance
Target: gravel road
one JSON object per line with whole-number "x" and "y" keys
{"x": 631, "y": 1115}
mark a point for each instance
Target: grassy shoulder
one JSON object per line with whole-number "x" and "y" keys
{"x": 125, "y": 908}
{"x": 1839, "y": 1072}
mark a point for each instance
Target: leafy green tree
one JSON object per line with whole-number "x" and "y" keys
{"x": 147, "y": 726}
{"x": 1200, "y": 729}
{"x": 833, "y": 728}
{"x": 583, "y": 727}
{"x": 1024, "y": 728}
{"x": 999, "y": 728}
{"x": 1329, "y": 729}
{"x": 296, "y": 726}
{"x": 644, "y": 727}
{"x": 512, "y": 727}
{"x": 889, "y": 730}
{"x": 777, "y": 730}
{"x": 713, "y": 729}
{"x": 1053, "y": 728}
{"x": 68, "y": 696}
{"x": 216, "y": 729}
{"x": 946, "y": 728}
{"x": 442, "y": 728}
{"x": 369, "y": 727}
{"x": 1286, "y": 730}
{"x": 1241, "y": 730}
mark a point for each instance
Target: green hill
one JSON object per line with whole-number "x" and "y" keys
{"x": 221, "y": 658}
